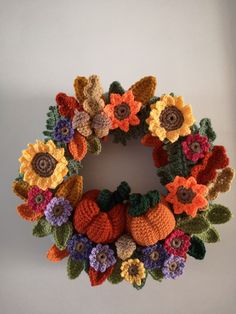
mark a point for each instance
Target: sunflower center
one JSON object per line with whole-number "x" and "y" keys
{"x": 195, "y": 147}
{"x": 80, "y": 247}
{"x": 176, "y": 243}
{"x": 171, "y": 118}
{"x": 58, "y": 210}
{"x": 122, "y": 111}
{"x": 43, "y": 164}
{"x": 184, "y": 195}
{"x": 102, "y": 257}
{"x": 133, "y": 270}
{"x": 154, "y": 256}
{"x": 39, "y": 198}
{"x": 64, "y": 130}
{"x": 173, "y": 266}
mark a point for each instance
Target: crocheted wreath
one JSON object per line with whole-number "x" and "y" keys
{"x": 122, "y": 235}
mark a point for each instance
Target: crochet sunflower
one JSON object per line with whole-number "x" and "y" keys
{"x": 170, "y": 118}
{"x": 43, "y": 164}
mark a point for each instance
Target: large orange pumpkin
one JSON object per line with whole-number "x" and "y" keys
{"x": 153, "y": 226}
{"x": 99, "y": 226}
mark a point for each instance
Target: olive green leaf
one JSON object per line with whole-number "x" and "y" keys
{"x": 194, "y": 225}
{"x": 115, "y": 277}
{"x": 197, "y": 248}
{"x": 62, "y": 234}
{"x": 156, "y": 274}
{"x": 218, "y": 214}
{"x": 210, "y": 236}
{"x": 74, "y": 268}
{"x": 42, "y": 228}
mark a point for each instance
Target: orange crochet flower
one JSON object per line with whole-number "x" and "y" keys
{"x": 186, "y": 196}
{"x": 122, "y": 110}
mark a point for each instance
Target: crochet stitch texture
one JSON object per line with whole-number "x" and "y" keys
{"x": 120, "y": 235}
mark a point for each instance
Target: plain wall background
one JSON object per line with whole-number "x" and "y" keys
{"x": 190, "y": 46}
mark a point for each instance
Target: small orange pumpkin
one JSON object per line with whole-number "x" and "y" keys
{"x": 99, "y": 226}
{"x": 153, "y": 226}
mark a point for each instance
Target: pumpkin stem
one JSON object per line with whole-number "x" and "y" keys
{"x": 106, "y": 199}
{"x": 140, "y": 204}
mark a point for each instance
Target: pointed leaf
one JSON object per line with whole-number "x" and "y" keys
{"x": 218, "y": 214}
{"x": 97, "y": 278}
{"x": 194, "y": 225}
{"x": 21, "y": 189}
{"x": 79, "y": 84}
{"x": 27, "y": 213}
{"x": 156, "y": 274}
{"x": 207, "y": 130}
{"x": 116, "y": 88}
{"x": 42, "y": 228}
{"x": 94, "y": 145}
{"x": 142, "y": 283}
{"x": 74, "y": 268}
{"x": 210, "y": 236}
{"x": 115, "y": 277}
{"x": 197, "y": 248}
{"x": 78, "y": 146}
{"x": 144, "y": 89}
{"x": 56, "y": 255}
{"x": 62, "y": 234}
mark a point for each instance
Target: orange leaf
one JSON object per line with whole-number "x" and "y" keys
{"x": 27, "y": 213}
{"x": 21, "y": 189}
{"x": 55, "y": 255}
{"x": 144, "y": 89}
{"x": 71, "y": 189}
{"x": 78, "y": 146}
{"x": 97, "y": 278}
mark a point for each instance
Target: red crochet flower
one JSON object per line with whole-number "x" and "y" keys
{"x": 122, "y": 110}
{"x": 195, "y": 147}
{"x": 38, "y": 199}
{"x": 67, "y": 105}
{"x": 177, "y": 243}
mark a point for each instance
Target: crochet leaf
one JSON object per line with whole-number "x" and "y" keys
{"x": 74, "y": 167}
{"x": 140, "y": 204}
{"x": 74, "y": 268}
{"x": 104, "y": 200}
{"x": 62, "y": 234}
{"x": 156, "y": 274}
{"x": 115, "y": 88}
{"x": 143, "y": 281}
{"x": 53, "y": 117}
{"x": 218, "y": 214}
{"x": 195, "y": 225}
{"x": 94, "y": 145}
{"x": 27, "y": 213}
{"x": 197, "y": 248}
{"x": 56, "y": 255}
{"x": 79, "y": 84}
{"x": 21, "y": 189}
{"x": 144, "y": 89}
{"x": 210, "y": 236}
{"x": 115, "y": 277}
{"x": 97, "y": 278}
{"x": 42, "y": 228}
{"x": 207, "y": 130}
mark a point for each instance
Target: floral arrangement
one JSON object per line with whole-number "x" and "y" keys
{"x": 121, "y": 235}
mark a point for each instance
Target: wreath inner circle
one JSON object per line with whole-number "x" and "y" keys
{"x": 124, "y": 235}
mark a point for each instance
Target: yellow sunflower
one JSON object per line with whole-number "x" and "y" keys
{"x": 170, "y": 118}
{"x": 43, "y": 164}
{"x": 133, "y": 271}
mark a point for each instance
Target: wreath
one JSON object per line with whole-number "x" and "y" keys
{"x": 119, "y": 235}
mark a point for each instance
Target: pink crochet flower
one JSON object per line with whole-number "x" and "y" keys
{"x": 38, "y": 199}
{"x": 177, "y": 243}
{"x": 195, "y": 147}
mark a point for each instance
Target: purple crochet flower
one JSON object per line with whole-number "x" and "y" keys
{"x": 173, "y": 266}
{"x": 79, "y": 247}
{"x": 63, "y": 131}
{"x": 102, "y": 257}
{"x": 153, "y": 256}
{"x": 58, "y": 211}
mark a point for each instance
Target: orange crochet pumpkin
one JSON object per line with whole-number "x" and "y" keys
{"x": 153, "y": 226}
{"x": 99, "y": 226}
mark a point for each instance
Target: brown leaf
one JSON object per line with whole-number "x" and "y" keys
{"x": 21, "y": 189}
{"x": 144, "y": 89}
{"x": 79, "y": 83}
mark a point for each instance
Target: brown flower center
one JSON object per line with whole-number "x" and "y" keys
{"x": 195, "y": 147}
{"x": 39, "y": 198}
{"x": 80, "y": 247}
{"x": 184, "y": 195}
{"x": 173, "y": 266}
{"x": 43, "y": 164}
{"x": 171, "y": 118}
{"x": 122, "y": 111}
{"x": 154, "y": 256}
{"x": 64, "y": 130}
{"x": 133, "y": 270}
{"x": 101, "y": 257}
{"x": 58, "y": 210}
{"x": 176, "y": 243}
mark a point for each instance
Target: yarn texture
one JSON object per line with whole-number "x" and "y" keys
{"x": 124, "y": 235}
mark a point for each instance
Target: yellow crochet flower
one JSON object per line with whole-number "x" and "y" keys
{"x": 170, "y": 118}
{"x": 133, "y": 271}
{"x": 43, "y": 164}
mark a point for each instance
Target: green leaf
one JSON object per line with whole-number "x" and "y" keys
{"x": 210, "y": 236}
{"x": 116, "y": 88}
{"x": 74, "y": 167}
{"x": 53, "y": 117}
{"x": 94, "y": 145}
{"x": 218, "y": 214}
{"x": 74, "y": 268}
{"x": 115, "y": 277}
{"x": 197, "y": 248}
{"x": 142, "y": 283}
{"x": 62, "y": 234}
{"x": 207, "y": 130}
{"x": 156, "y": 274}
{"x": 194, "y": 225}
{"x": 42, "y": 228}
